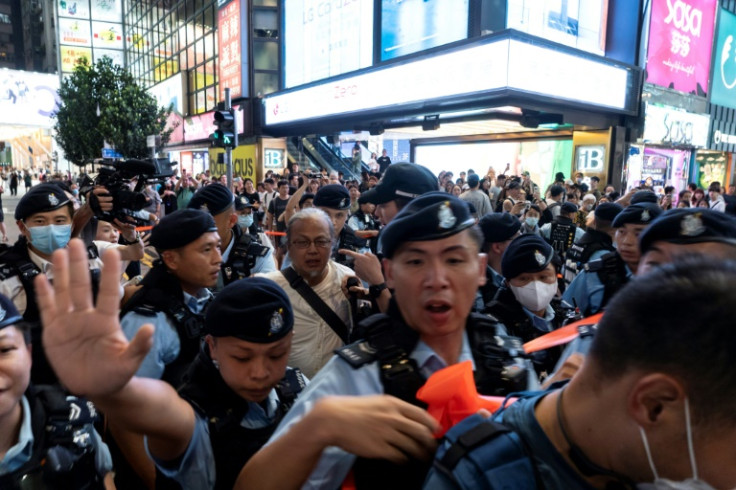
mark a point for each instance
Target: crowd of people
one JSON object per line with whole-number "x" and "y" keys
{"x": 282, "y": 335}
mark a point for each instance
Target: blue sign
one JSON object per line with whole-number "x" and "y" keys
{"x": 110, "y": 153}
{"x": 723, "y": 91}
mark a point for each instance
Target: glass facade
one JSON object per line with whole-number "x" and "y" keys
{"x": 165, "y": 37}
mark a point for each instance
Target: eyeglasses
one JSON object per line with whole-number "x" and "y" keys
{"x": 319, "y": 243}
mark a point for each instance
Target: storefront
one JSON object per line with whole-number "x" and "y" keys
{"x": 664, "y": 156}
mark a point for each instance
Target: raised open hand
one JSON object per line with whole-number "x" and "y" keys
{"x": 84, "y": 342}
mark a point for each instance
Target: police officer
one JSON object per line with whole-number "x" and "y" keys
{"x": 235, "y": 392}
{"x": 48, "y": 440}
{"x": 247, "y": 214}
{"x": 597, "y": 240}
{"x": 433, "y": 264}
{"x": 561, "y": 233}
{"x": 174, "y": 293}
{"x": 242, "y": 252}
{"x": 663, "y": 383}
{"x": 687, "y": 231}
{"x": 44, "y": 217}
{"x": 498, "y": 231}
{"x": 600, "y": 279}
{"x": 527, "y": 304}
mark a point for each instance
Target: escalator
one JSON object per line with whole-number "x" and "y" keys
{"x": 321, "y": 154}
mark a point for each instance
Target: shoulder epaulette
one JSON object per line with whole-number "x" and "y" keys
{"x": 145, "y": 310}
{"x": 357, "y": 354}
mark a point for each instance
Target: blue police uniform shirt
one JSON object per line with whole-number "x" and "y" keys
{"x": 262, "y": 264}
{"x": 585, "y": 292}
{"x": 21, "y": 452}
{"x": 547, "y": 229}
{"x": 337, "y": 377}
{"x": 166, "y": 344}
{"x": 196, "y": 468}
{"x": 552, "y": 467}
{"x": 542, "y": 324}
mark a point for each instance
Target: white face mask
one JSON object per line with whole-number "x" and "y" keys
{"x": 536, "y": 295}
{"x": 693, "y": 483}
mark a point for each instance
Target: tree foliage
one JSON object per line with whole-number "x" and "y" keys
{"x": 127, "y": 113}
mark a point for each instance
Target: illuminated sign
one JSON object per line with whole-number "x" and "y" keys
{"x": 664, "y": 124}
{"x": 274, "y": 158}
{"x": 723, "y": 91}
{"x": 505, "y": 64}
{"x": 590, "y": 158}
{"x": 28, "y": 98}
{"x": 579, "y": 24}
{"x": 408, "y": 26}
{"x": 680, "y": 38}
{"x": 106, "y": 35}
{"x": 326, "y": 38}
{"x": 232, "y": 66}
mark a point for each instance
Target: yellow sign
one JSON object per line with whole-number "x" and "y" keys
{"x": 244, "y": 158}
{"x": 71, "y": 55}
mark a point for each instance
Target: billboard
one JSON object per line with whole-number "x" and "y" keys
{"x": 723, "y": 91}
{"x": 85, "y": 24}
{"x": 408, "y": 26}
{"x": 680, "y": 37}
{"x": 323, "y": 39}
{"x": 232, "y": 66}
{"x": 28, "y": 98}
{"x": 579, "y": 24}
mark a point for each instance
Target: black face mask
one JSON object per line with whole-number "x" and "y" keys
{"x": 584, "y": 465}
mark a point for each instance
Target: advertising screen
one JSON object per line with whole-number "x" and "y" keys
{"x": 680, "y": 37}
{"x": 723, "y": 91}
{"x": 28, "y": 98}
{"x": 326, "y": 38}
{"x": 579, "y": 24}
{"x": 408, "y": 26}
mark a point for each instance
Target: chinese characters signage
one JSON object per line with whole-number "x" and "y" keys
{"x": 680, "y": 37}
{"x": 232, "y": 65}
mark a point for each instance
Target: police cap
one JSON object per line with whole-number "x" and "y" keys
{"x": 432, "y": 216}
{"x": 213, "y": 198}
{"x": 8, "y": 313}
{"x": 181, "y": 228}
{"x": 242, "y": 202}
{"x": 568, "y": 207}
{"x": 332, "y": 196}
{"x": 265, "y": 317}
{"x": 643, "y": 196}
{"x": 40, "y": 199}
{"x": 527, "y": 253}
{"x": 637, "y": 214}
{"x": 401, "y": 180}
{"x": 608, "y": 210}
{"x": 690, "y": 225}
{"x": 499, "y": 227}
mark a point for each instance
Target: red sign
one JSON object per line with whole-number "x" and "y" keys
{"x": 199, "y": 127}
{"x": 230, "y": 69}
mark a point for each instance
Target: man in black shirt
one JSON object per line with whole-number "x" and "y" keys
{"x": 277, "y": 206}
{"x": 383, "y": 161}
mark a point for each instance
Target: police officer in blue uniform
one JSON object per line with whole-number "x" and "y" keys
{"x": 527, "y": 304}
{"x": 600, "y": 279}
{"x": 49, "y": 441}
{"x": 432, "y": 263}
{"x": 242, "y": 253}
{"x": 498, "y": 231}
{"x": 597, "y": 240}
{"x": 334, "y": 199}
{"x": 234, "y": 394}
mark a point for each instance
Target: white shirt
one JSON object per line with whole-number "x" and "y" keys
{"x": 314, "y": 340}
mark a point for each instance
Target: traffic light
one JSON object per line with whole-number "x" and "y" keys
{"x": 226, "y": 134}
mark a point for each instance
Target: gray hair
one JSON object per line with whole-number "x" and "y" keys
{"x": 309, "y": 214}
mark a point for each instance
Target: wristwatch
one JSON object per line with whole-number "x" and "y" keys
{"x": 375, "y": 291}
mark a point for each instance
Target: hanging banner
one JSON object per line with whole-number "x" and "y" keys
{"x": 680, "y": 38}
{"x": 232, "y": 66}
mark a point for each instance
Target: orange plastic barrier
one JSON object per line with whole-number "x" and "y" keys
{"x": 560, "y": 336}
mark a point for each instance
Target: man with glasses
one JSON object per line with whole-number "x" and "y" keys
{"x": 315, "y": 285}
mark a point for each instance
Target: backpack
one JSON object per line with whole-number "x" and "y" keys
{"x": 480, "y": 454}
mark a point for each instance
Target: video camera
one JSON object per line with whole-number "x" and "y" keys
{"x": 116, "y": 176}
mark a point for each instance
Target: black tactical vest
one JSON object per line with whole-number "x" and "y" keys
{"x": 63, "y": 455}
{"x": 242, "y": 259}
{"x": 161, "y": 291}
{"x": 232, "y": 444}
{"x": 580, "y": 252}
{"x": 562, "y": 235}
{"x": 389, "y": 341}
